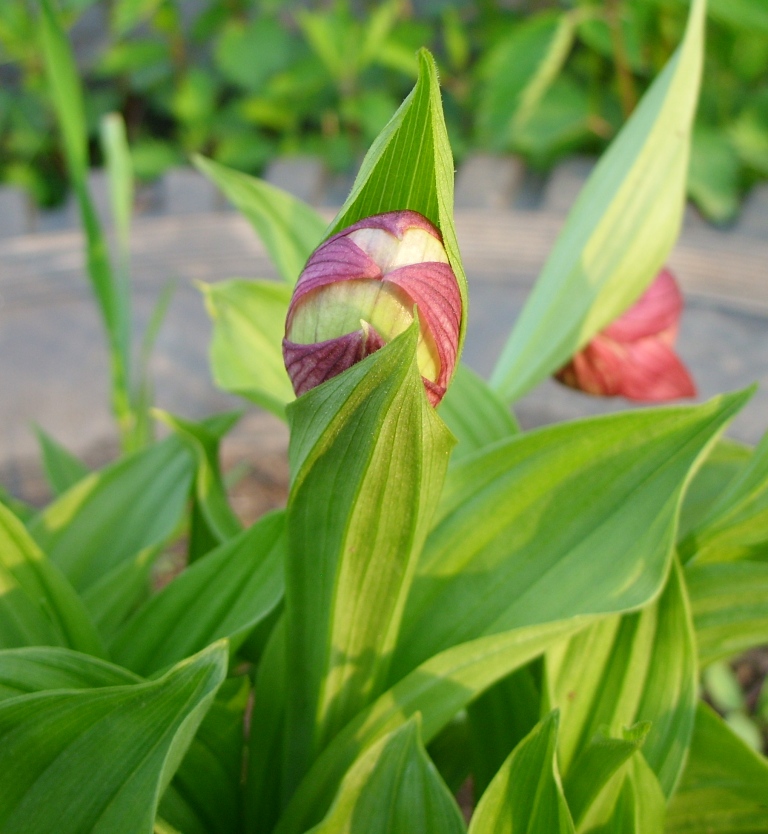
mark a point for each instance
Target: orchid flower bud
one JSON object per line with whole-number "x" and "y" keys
{"x": 634, "y": 356}
{"x": 359, "y": 290}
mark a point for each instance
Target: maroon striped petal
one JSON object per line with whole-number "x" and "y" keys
{"x": 311, "y": 365}
{"x": 433, "y": 287}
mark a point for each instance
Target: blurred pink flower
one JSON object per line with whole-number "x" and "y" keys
{"x": 358, "y": 291}
{"x": 634, "y": 356}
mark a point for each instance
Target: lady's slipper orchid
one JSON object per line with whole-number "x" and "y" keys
{"x": 359, "y": 290}
{"x": 634, "y": 357}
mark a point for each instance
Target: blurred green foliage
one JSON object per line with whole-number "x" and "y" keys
{"x": 245, "y": 80}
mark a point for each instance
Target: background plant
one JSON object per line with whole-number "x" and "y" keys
{"x": 539, "y": 619}
{"x": 243, "y": 82}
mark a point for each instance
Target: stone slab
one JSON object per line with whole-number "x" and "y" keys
{"x": 485, "y": 181}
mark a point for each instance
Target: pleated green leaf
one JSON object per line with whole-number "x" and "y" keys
{"x": 37, "y": 604}
{"x": 40, "y": 668}
{"x": 112, "y": 598}
{"x": 474, "y": 414}
{"x": 725, "y": 461}
{"x": 554, "y": 523}
{"x": 597, "y": 763}
{"x": 224, "y": 594}
{"x": 638, "y": 808}
{"x": 393, "y": 789}
{"x": 213, "y": 519}
{"x": 620, "y": 231}
{"x": 526, "y": 794}
{"x": 97, "y": 760}
{"x": 410, "y": 166}
{"x": 111, "y": 515}
{"x": 447, "y": 682}
{"x": 289, "y": 228}
{"x": 637, "y": 668}
{"x": 500, "y": 719}
{"x": 730, "y": 607}
{"x": 62, "y": 468}
{"x": 205, "y": 794}
{"x": 438, "y": 689}
{"x": 246, "y": 349}
{"x": 725, "y": 786}
{"x": 736, "y": 526}
{"x": 369, "y": 439}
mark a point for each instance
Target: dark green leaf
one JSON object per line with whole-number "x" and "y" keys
{"x": 393, "y": 788}
{"x": 37, "y": 604}
{"x": 526, "y": 794}
{"x": 52, "y": 744}
{"x": 224, "y": 594}
{"x": 36, "y": 669}
{"x": 111, "y": 515}
{"x": 62, "y": 468}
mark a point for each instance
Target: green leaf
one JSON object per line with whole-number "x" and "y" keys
{"x": 205, "y": 794}
{"x": 113, "y": 597}
{"x": 438, "y": 689}
{"x": 211, "y": 503}
{"x": 52, "y": 743}
{"x": 714, "y": 179}
{"x": 410, "y": 166}
{"x": 526, "y": 794}
{"x": 639, "y": 807}
{"x": 730, "y": 607}
{"x": 262, "y": 797}
{"x": 499, "y": 719}
{"x": 37, "y": 604}
{"x": 574, "y": 495}
{"x": 246, "y": 349}
{"x": 598, "y": 762}
{"x": 519, "y": 71}
{"x": 726, "y": 459}
{"x": 370, "y": 438}
{"x": 450, "y": 751}
{"x": 736, "y": 526}
{"x": 618, "y": 234}
{"x": 637, "y": 668}
{"x": 36, "y": 669}
{"x": 393, "y": 788}
{"x": 289, "y": 229}
{"x": 62, "y": 468}
{"x": 224, "y": 594}
{"x": 474, "y": 414}
{"x": 750, "y": 15}
{"x": 725, "y": 784}
{"x": 111, "y": 515}
{"x": 67, "y": 98}
{"x": 18, "y": 507}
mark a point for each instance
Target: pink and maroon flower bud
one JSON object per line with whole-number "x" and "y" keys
{"x": 634, "y": 356}
{"x": 359, "y": 291}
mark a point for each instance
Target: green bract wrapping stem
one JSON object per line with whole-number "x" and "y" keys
{"x": 359, "y": 290}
